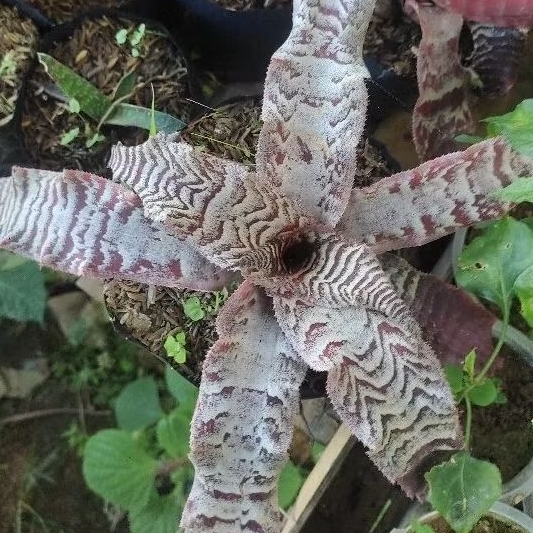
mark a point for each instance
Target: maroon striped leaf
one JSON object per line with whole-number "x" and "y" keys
{"x": 85, "y": 225}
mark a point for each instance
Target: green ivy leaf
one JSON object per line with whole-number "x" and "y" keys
{"x": 516, "y": 127}
{"x": 138, "y": 406}
{"x": 490, "y": 265}
{"x": 160, "y": 515}
{"x": 22, "y": 289}
{"x": 463, "y": 489}
{"x": 483, "y": 394}
{"x": 523, "y": 289}
{"x": 173, "y": 432}
{"x": 455, "y": 377}
{"x": 521, "y": 190}
{"x": 290, "y": 481}
{"x": 118, "y": 469}
{"x": 192, "y": 307}
{"x": 184, "y": 391}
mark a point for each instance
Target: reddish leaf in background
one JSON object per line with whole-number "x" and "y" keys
{"x": 515, "y": 13}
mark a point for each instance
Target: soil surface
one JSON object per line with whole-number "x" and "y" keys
{"x": 94, "y": 53}
{"x": 17, "y": 44}
{"x": 65, "y": 10}
{"x": 485, "y": 525}
{"x": 502, "y": 433}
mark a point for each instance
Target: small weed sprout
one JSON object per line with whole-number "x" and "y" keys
{"x": 132, "y": 37}
{"x": 175, "y": 347}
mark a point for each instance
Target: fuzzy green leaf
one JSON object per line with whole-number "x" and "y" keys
{"x": 490, "y": 265}
{"x": 455, "y": 377}
{"x": 117, "y": 468}
{"x": 516, "y": 127}
{"x": 22, "y": 289}
{"x": 192, "y": 307}
{"x": 185, "y": 392}
{"x": 521, "y": 190}
{"x": 463, "y": 489}
{"x": 160, "y": 515}
{"x": 141, "y": 117}
{"x": 121, "y": 36}
{"x": 290, "y": 481}
{"x": 138, "y": 405}
{"x": 483, "y": 394}
{"x": 523, "y": 288}
{"x": 173, "y": 433}
{"x": 469, "y": 365}
{"x": 92, "y": 102}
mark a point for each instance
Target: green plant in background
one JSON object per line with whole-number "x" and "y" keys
{"x": 142, "y": 466}
{"x": 84, "y": 98}
{"x": 95, "y": 361}
{"x": 496, "y": 266}
{"x": 22, "y": 289}
{"x": 132, "y": 37}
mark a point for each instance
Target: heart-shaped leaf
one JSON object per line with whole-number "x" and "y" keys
{"x": 490, "y": 265}
{"x": 138, "y": 405}
{"x": 463, "y": 489}
{"x": 117, "y": 468}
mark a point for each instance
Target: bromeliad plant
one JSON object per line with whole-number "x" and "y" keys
{"x": 314, "y": 294}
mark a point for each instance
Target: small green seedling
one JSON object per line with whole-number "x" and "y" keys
{"x": 193, "y": 309}
{"x": 133, "y": 37}
{"x": 8, "y": 65}
{"x": 175, "y": 347}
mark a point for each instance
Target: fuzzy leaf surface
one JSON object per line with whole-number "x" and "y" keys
{"x": 138, "y": 406}
{"x": 86, "y": 225}
{"x": 22, "y": 289}
{"x": 490, "y": 265}
{"x": 117, "y": 468}
{"x": 463, "y": 489}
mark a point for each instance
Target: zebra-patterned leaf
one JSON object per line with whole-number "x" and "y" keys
{"x": 383, "y": 380}
{"x": 85, "y": 225}
{"x": 434, "y": 199}
{"x": 314, "y": 106}
{"x": 216, "y": 204}
{"x": 242, "y": 426}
